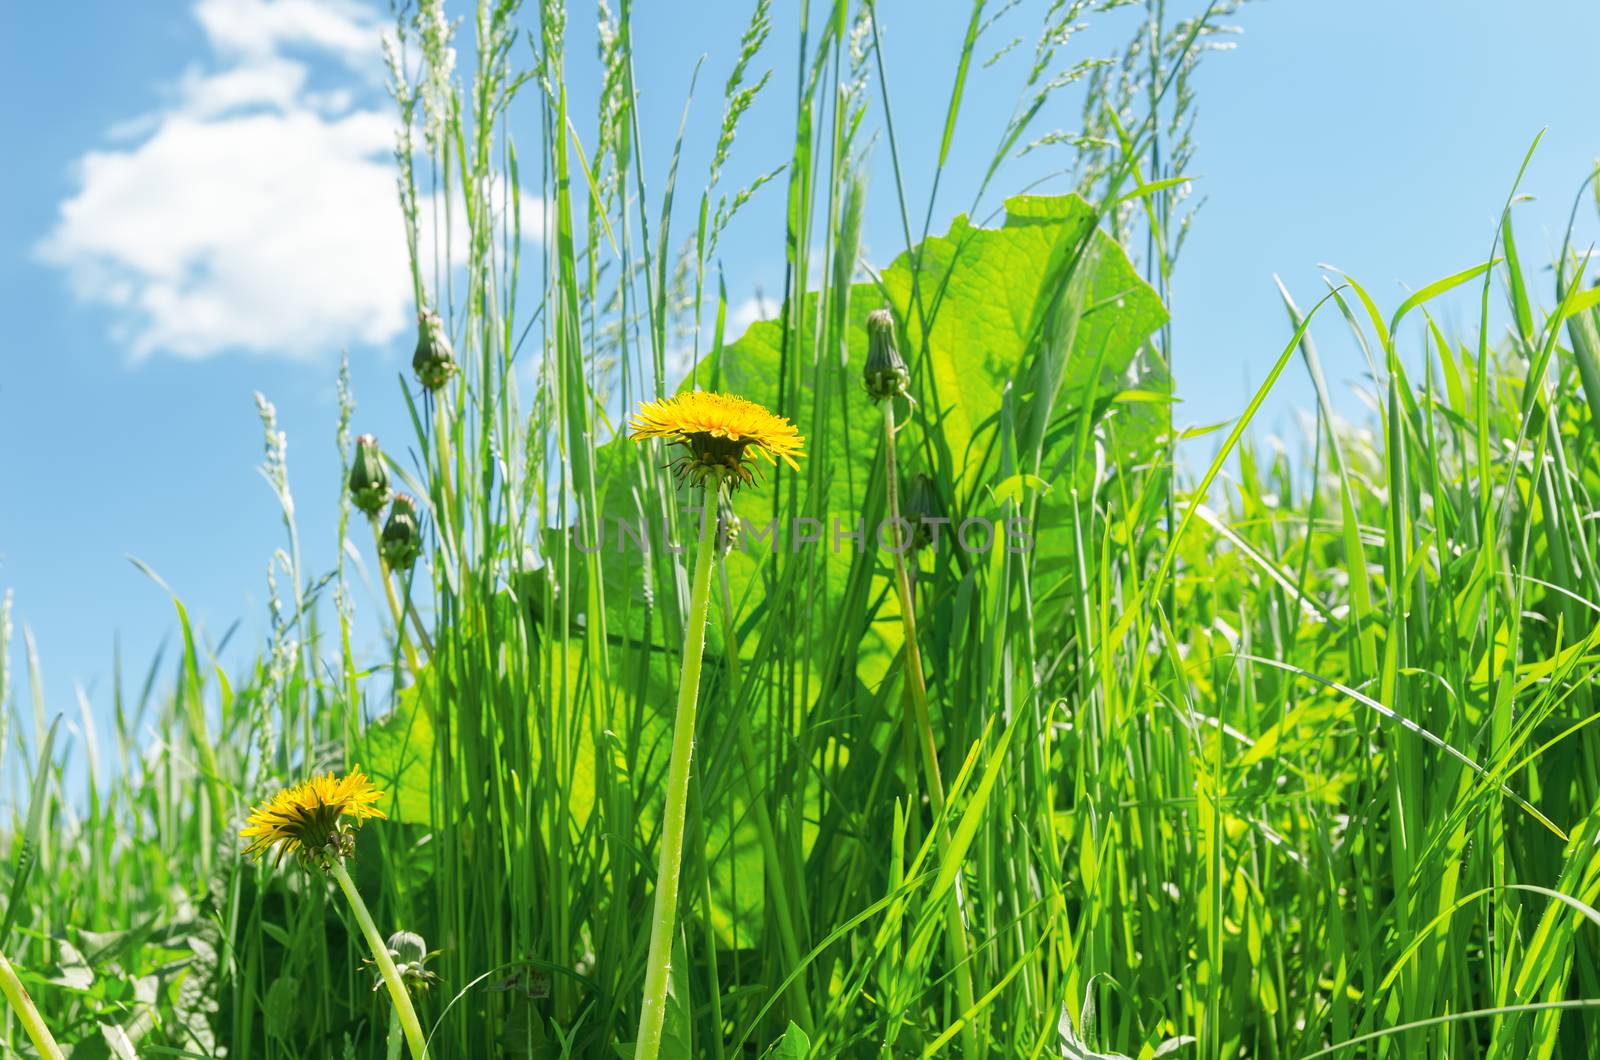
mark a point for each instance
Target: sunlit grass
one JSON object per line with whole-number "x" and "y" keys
{"x": 1286, "y": 754}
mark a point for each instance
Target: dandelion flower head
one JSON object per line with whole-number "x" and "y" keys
{"x": 719, "y": 434}
{"x": 306, "y": 819}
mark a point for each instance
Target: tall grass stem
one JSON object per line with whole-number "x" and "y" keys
{"x": 916, "y": 682}
{"x": 22, "y": 1004}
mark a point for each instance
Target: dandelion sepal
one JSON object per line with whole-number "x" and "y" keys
{"x": 401, "y": 540}
{"x": 885, "y": 375}
{"x": 434, "y": 361}
{"x": 369, "y": 479}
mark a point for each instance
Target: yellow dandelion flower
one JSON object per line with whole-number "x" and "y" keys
{"x": 305, "y": 819}
{"x": 718, "y": 432}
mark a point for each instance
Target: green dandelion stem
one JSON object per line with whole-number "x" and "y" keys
{"x": 22, "y": 1004}
{"x": 908, "y": 618}
{"x": 955, "y": 925}
{"x": 394, "y": 601}
{"x": 385, "y": 963}
{"x": 652, "y": 1013}
{"x": 441, "y": 433}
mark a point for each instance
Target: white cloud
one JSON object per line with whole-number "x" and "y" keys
{"x": 269, "y": 81}
{"x": 262, "y": 28}
{"x": 742, "y": 314}
{"x": 252, "y": 213}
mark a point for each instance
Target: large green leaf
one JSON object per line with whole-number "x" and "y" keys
{"x": 1013, "y": 335}
{"x": 991, "y": 297}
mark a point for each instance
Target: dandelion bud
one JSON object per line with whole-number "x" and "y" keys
{"x": 434, "y": 362}
{"x": 923, "y": 510}
{"x": 409, "y": 951}
{"x": 402, "y": 534}
{"x": 369, "y": 479}
{"x": 885, "y": 375}
{"x": 407, "y": 947}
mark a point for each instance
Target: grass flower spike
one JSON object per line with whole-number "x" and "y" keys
{"x": 719, "y": 434}
{"x": 310, "y": 820}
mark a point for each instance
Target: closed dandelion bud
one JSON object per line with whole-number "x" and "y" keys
{"x": 409, "y": 951}
{"x": 369, "y": 479}
{"x": 402, "y": 534}
{"x": 407, "y": 947}
{"x": 434, "y": 362}
{"x": 885, "y": 375}
{"x": 924, "y": 510}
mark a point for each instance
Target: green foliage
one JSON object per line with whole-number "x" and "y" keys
{"x": 1293, "y": 757}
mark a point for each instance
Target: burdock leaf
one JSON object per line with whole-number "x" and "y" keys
{"x": 73, "y": 971}
{"x": 997, "y": 321}
{"x": 117, "y": 1041}
{"x": 1018, "y": 340}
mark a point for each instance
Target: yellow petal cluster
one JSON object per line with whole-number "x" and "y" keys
{"x": 306, "y": 817}
{"x": 718, "y": 432}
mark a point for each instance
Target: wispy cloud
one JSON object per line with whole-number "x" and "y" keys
{"x": 255, "y": 212}
{"x": 262, "y": 28}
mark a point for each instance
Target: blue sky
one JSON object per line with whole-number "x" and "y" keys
{"x": 198, "y": 206}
